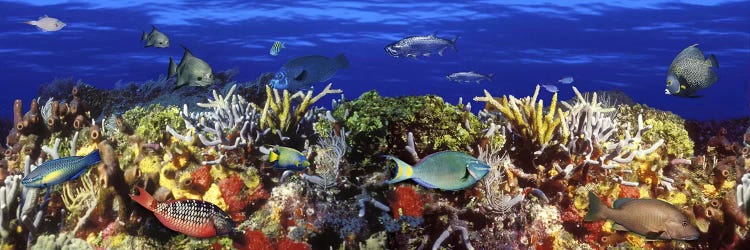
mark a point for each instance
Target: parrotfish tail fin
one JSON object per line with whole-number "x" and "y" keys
{"x": 273, "y": 156}
{"x": 453, "y": 43}
{"x": 489, "y": 76}
{"x": 404, "y": 171}
{"x": 341, "y": 61}
{"x": 596, "y": 208}
{"x": 172, "y": 68}
{"x": 145, "y": 199}
{"x": 712, "y": 61}
{"x": 92, "y": 158}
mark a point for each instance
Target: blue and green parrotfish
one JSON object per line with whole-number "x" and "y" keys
{"x": 446, "y": 170}
{"x": 60, "y": 170}
{"x": 284, "y": 158}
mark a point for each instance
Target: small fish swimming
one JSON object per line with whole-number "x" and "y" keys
{"x": 652, "y": 218}
{"x": 60, "y": 170}
{"x": 302, "y": 72}
{"x": 155, "y": 38}
{"x": 284, "y": 158}
{"x": 194, "y": 218}
{"x": 415, "y": 46}
{"x": 566, "y": 80}
{"x": 46, "y": 24}
{"x": 690, "y": 72}
{"x": 446, "y": 170}
{"x": 276, "y": 47}
{"x": 191, "y": 71}
{"x": 471, "y": 76}
{"x": 550, "y": 88}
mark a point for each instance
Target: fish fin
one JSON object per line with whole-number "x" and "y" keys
{"x": 144, "y": 36}
{"x": 301, "y": 76}
{"x": 712, "y": 61}
{"x": 412, "y": 56}
{"x": 273, "y": 156}
{"x": 694, "y": 96}
{"x": 426, "y": 54}
{"x": 404, "y": 171}
{"x": 653, "y": 235}
{"x": 187, "y": 52}
{"x": 144, "y": 198}
{"x": 618, "y": 227}
{"x": 341, "y": 61}
{"x": 433, "y": 34}
{"x": 489, "y": 76}
{"x": 172, "y": 68}
{"x": 32, "y": 22}
{"x": 441, "y": 51}
{"x": 424, "y": 184}
{"x": 596, "y": 208}
{"x": 620, "y": 202}
{"x": 453, "y": 43}
{"x": 153, "y": 28}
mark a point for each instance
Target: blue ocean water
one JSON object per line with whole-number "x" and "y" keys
{"x": 625, "y": 46}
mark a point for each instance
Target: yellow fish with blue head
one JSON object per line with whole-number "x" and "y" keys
{"x": 285, "y": 158}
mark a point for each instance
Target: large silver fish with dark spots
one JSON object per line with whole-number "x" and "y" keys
{"x": 691, "y": 72}
{"x": 155, "y": 38}
{"x": 415, "y": 46}
{"x": 652, "y": 218}
{"x": 191, "y": 71}
{"x": 302, "y": 72}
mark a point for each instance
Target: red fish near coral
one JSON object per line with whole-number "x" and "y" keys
{"x": 195, "y": 218}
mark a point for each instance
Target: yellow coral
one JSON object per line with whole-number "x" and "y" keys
{"x": 85, "y": 150}
{"x": 167, "y": 178}
{"x": 709, "y": 190}
{"x": 250, "y": 178}
{"x": 213, "y": 195}
{"x": 644, "y": 192}
{"x": 179, "y": 193}
{"x": 677, "y": 198}
{"x": 118, "y": 240}
{"x": 607, "y": 227}
{"x": 149, "y": 165}
{"x": 635, "y": 240}
{"x": 728, "y": 185}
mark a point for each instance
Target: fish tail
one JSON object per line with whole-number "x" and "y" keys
{"x": 596, "y": 208}
{"x": 712, "y": 61}
{"x": 489, "y": 76}
{"x": 453, "y": 43}
{"x": 30, "y": 22}
{"x": 144, "y": 36}
{"x": 404, "y": 171}
{"x": 341, "y": 61}
{"x": 273, "y": 157}
{"x": 92, "y": 158}
{"x": 145, "y": 199}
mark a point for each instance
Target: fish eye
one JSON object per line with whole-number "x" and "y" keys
{"x": 200, "y": 78}
{"x": 684, "y": 223}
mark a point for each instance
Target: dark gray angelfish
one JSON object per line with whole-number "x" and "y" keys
{"x": 191, "y": 71}
{"x": 471, "y": 76}
{"x": 155, "y": 38}
{"x": 691, "y": 72}
{"x": 302, "y": 72}
{"x": 415, "y": 46}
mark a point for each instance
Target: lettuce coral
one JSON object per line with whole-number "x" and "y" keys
{"x": 664, "y": 125}
{"x": 151, "y": 122}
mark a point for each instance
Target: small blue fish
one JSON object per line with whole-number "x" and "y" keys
{"x": 60, "y": 170}
{"x": 566, "y": 80}
{"x": 276, "y": 47}
{"x": 284, "y": 158}
{"x": 446, "y": 170}
{"x": 550, "y": 88}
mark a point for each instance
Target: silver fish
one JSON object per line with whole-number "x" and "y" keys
{"x": 155, "y": 38}
{"x": 415, "y": 46}
{"x": 302, "y": 72}
{"x": 276, "y": 47}
{"x": 471, "y": 76}
{"x": 652, "y": 218}
{"x": 550, "y": 88}
{"x": 46, "y": 23}
{"x": 566, "y": 80}
{"x": 690, "y": 72}
{"x": 191, "y": 71}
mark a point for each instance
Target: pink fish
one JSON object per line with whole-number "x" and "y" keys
{"x": 195, "y": 218}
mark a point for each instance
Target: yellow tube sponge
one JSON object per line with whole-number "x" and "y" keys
{"x": 213, "y": 195}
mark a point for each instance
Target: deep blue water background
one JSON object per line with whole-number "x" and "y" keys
{"x": 626, "y": 45}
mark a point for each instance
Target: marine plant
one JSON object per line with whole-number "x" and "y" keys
{"x": 150, "y": 122}
{"x": 664, "y": 125}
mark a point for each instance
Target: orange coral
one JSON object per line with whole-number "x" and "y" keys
{"x": 254, "y": 240}
{"x": 288, "y": 244}
{"x": 232, "y": 192}
{"x": 202, "y": 179}
{"x": 407, "y": 202}
{"x": 629, "y": 192}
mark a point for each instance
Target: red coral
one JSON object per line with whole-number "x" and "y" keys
{"x": 254, "y": 240}
{"x": 202, "y": 179}
{"x": 407, "y": 202}
{"x": 289, "y": 244}
{"x": 231, "y": 190}
{"x": 629, "y": 192}
{"x": 595, "y": 231}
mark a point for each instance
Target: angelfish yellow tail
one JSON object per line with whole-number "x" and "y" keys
{"x": 404, "y": 171}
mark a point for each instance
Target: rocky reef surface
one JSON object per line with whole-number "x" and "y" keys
{"x": 212, "y": 145}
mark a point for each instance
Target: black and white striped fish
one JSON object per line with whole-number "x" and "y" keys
{"x": 276, "y": 47}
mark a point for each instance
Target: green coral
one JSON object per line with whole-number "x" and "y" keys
{"x": 379, "y": 125}
{"x": 62, "y": 241}
{"x": 151, "y": 122}
{"x": 664, "y": 125}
